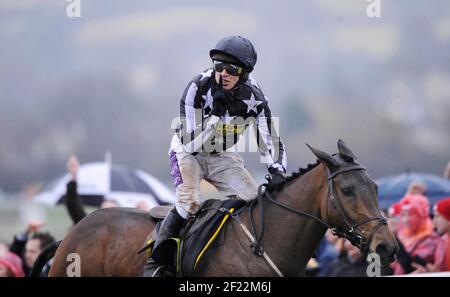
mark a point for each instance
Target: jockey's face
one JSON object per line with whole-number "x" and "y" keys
{"x": 228, "y": 81}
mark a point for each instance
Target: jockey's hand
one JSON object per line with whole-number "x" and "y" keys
{"x": 220, "y": 99}
{"x": 277, "y": 176}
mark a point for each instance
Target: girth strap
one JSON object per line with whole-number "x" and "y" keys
{"x": 264, "y": 254}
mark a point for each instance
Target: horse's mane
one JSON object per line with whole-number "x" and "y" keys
{"x": 292, "y": 177}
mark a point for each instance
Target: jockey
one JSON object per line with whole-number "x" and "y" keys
{"x": 216, "y": 108}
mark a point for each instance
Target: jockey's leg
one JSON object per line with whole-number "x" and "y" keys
{"x": 163, "y": 248}
{"x": 187, "y": 173}
{"x": 227, "y": 172}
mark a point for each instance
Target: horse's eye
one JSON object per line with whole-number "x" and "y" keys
{"x": 347, "y": 191}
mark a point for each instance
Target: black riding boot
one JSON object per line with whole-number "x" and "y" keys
{"x": 152, "y": 269}
{"x": 163, "y": 249}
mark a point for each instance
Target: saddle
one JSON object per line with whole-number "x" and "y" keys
{"x": 206, "y": 229}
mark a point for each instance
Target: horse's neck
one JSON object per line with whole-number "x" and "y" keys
{"x": 291, "y": 238}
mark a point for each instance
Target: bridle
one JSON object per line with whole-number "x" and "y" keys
{"x": 351, "y": 231}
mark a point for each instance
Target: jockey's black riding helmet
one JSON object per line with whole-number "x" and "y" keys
{"x": 236, "y": 50}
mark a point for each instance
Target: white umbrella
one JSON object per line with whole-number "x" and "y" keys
{"x": 97, "y": 181}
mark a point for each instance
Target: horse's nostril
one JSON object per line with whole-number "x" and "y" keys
{"x": 383, "y": 250}
{"x": 386, "y": 252}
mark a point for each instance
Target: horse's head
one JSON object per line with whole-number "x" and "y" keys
{"x": 351, "y": 204}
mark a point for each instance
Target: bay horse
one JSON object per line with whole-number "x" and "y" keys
{"x": 336, "y": 192}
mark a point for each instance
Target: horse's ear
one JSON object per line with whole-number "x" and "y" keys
{"x": 345, "y": 152}
{"x": 324, "y": 157}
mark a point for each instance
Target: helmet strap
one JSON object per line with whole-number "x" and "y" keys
{"x": 242, "y": 78}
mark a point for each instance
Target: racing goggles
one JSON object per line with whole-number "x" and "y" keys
{"x": 231, "y": 69}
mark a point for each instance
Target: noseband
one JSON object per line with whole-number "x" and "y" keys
{"x": 351, "y": 231}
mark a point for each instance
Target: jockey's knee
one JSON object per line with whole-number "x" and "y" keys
{"x": 188, "y": 201}
{"x": 248, "y": 195}
{"x": 187, "y": 194}
{"x": 187, "y": 209}
{"x": 247, "y": 190}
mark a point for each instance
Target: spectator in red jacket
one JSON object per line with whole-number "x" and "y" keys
{"x": 441, "y": 222}
{"x": 417, "y": 240}
{"x": 10, "y": 265}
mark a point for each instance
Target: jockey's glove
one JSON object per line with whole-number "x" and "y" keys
{"x": 220, "y": 100}
{"x": 277, "y": 176}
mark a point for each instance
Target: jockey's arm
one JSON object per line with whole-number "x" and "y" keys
{"x": 269, "y": 142}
